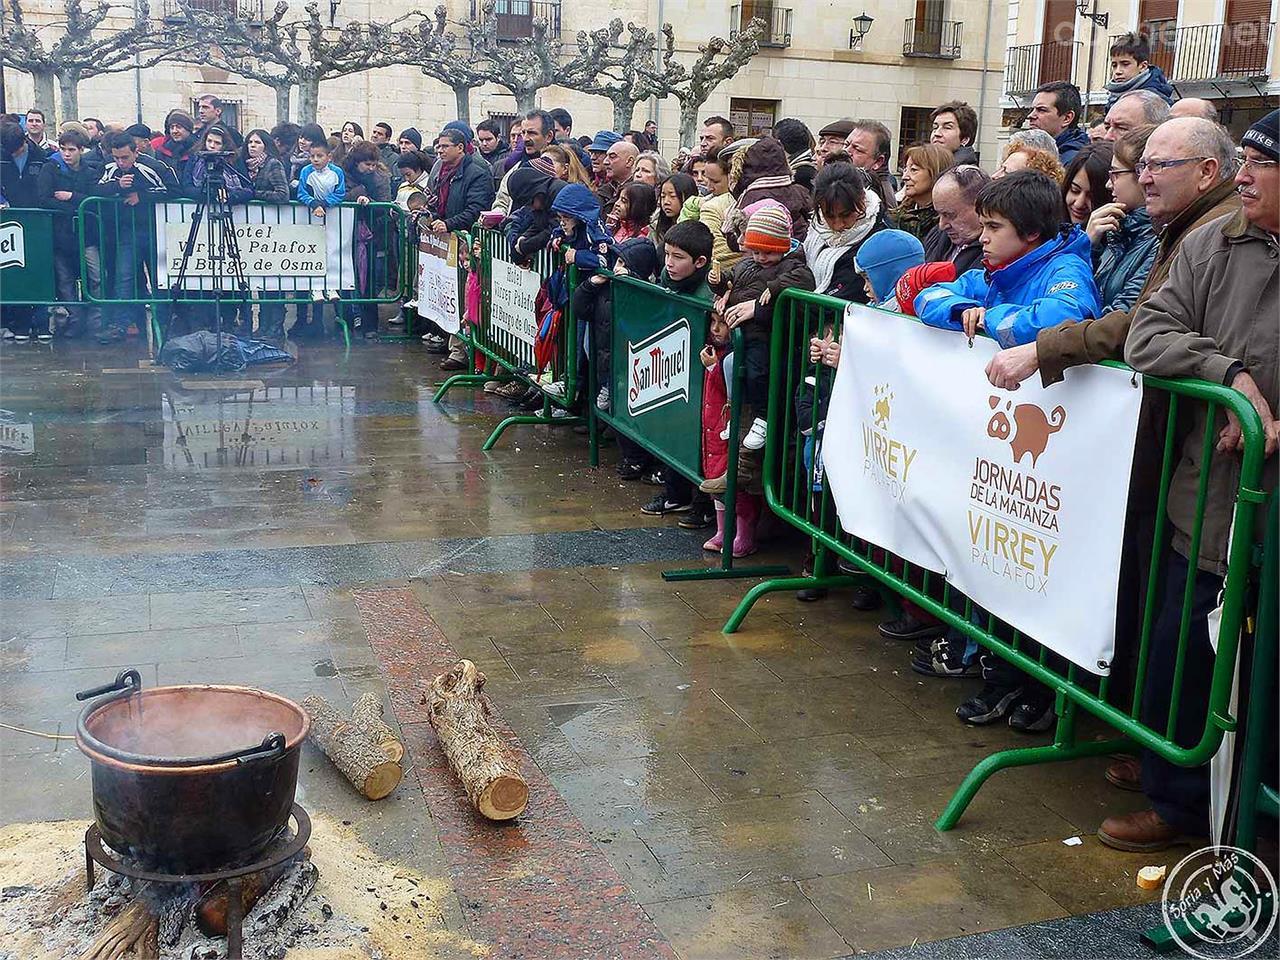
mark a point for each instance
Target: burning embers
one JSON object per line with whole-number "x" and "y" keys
{"x": 343, "y": 902}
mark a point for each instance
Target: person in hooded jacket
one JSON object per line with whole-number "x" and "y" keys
{"x": 234, "y": 178}
{"x": 1034, "y": 274}
{"x": 1132, "y": 69}
{"x": 67, "y": 178}
{"x": 528, "y": 229}
{"x": 368, "y": 181}
{"x": 766, "y": 175}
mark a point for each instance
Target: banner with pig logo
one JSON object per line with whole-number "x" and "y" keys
{"x": 1017, "y": 498}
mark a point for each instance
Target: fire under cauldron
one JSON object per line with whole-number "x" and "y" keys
{"x": 189, "y": 779}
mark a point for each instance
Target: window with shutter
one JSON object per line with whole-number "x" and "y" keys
{"x": 1244, "y": 38}
{"x": 1058, "y": 40}
{"x": 1158, "y": 21}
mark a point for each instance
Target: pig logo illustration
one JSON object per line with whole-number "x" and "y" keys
{"x": 1033, "y": 428}
{"x": 881, "y": 410}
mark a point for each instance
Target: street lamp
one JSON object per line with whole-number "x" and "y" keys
{"x": 1101, "y": 19}
{"x": 861, "y": 24}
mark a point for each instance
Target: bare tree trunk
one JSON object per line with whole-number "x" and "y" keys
{"x": 462, "y": 96}
{"x": 45, "y": 85}
{"x": 282, "y": 102}
{"x": 623, "y": 115}
{"x": 524, "y": 100}
{"x": 689, "y": 123}
{"x": 308, "y": 98}
{"x": 69, "y": 88}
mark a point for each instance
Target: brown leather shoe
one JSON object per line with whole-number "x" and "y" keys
{"x": 1125, "y": 773}
{"x": 1141, "y": 832}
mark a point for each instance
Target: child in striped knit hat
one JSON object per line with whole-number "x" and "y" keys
{"x": 775, "y": 262}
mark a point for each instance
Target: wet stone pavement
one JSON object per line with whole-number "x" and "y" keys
{"x": 328, "y": 529}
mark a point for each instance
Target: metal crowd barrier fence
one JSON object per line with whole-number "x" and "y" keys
{"x": 121, "y": 270}
{"x": 655, "y": 384}
{"x": 789, "y": 492}
{"x": 508, "y": 335}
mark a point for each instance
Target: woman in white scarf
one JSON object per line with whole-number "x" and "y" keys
{"x": 847, "y": 211}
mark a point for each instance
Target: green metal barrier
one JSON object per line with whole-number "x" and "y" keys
{"x": 506, "y": 338}
{"x": 788, "y": 492}
{"x": 124, "y": 241}
{"x": 669, "y": 426}
{"x": 26, "y": 257}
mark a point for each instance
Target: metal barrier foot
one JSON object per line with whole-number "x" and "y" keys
{"x": 477, "y": 379}
{"x": 724, "y": 573}
{"x": 1021, "y": 757}
{"x": 530, "y": 419}
{"x": 773, "y": 586}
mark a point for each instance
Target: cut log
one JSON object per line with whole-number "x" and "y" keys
{"x": 367, "y": 716}
{"x": 211, "y": 908}
{"x": 354, "y": 754}
{"x": 129, "y": 932}
{"x": 487, "y": 767}
{"x": 283, "y": 898}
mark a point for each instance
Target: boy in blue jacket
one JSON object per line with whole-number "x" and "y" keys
{"x": 1034, "y": 274}
{"x": 321, "y": 184}
{"x": 1132, "y": 69}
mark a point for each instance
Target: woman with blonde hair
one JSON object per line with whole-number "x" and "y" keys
{"x": 1020, "y": 156}
{"x": 651, "y": 168}
{"x": 925, "y": 163}
{"x": 568, "y": 167}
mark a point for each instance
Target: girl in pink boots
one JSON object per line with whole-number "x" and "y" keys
{"x": 717, "y": 358}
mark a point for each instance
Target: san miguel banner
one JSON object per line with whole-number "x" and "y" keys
{"x": 438, "y": 280}
{"x": 1017, "y": 498}
{"x": 283, "y": 247}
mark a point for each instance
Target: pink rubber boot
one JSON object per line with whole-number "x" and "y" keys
{"x": 716, "y": 543}
{"x": 744, "y": 538}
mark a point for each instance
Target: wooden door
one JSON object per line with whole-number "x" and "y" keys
{"x": 928, "y": 29}
{"x": 1058, "y": 40}
{"x": 1244, "y": 38}
{"x": 1158, "y": 21}
{"x": 514, "y": 19}
{"x": 764, "y": 10}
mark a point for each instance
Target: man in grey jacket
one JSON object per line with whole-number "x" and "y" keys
{"x": 1213, "y": 319}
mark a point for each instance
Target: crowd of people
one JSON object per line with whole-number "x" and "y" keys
{"x": 1149, "y": 237}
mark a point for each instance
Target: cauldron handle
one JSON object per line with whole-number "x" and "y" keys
{"x": 126, "y": 680}
{"x": 271, "y": 747}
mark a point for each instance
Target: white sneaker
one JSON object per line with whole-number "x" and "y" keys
{"x": 411, "y": 304}
{"x": 555, "y": 389}
{"x": 559, "y": 413}
{"x": 317, "y": 296}
{"x": 724, "y": 434}
{"x": 755, "y": 437}
{"x": 7, "y": 334}
{"x": 602, "y": 399}
{"x": 332, "y": 294}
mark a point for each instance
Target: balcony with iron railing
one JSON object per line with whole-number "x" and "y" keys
{"x": 937, "y": 39}
{"x": 514, "y": 19}
{"x": 777, "y": 22}
{"x": 250, "y": 10}
{"x": 1213, "y": 51}
{"x": 1034, "y": 64}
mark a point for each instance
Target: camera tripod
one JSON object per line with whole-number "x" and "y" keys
{"x": 222, "y": 249}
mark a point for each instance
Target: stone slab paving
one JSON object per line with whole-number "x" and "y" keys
{"x": 766, "y": 794}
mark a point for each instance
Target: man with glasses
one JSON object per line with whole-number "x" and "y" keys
{"x": 1186, "y": 178}
{"x": 1214, "y": 318}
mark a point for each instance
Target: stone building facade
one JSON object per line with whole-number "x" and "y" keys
{"x": 1220, "y": 50}
{"x": 814, "y": 66}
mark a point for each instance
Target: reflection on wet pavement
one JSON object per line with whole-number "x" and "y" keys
{"x": 765, "y": 794}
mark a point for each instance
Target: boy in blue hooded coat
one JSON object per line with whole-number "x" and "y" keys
{"x": 1034, "y": 275}
{"x": 1132, "y": 69}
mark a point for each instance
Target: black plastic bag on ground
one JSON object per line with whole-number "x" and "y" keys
{"x": 199, "y": 352}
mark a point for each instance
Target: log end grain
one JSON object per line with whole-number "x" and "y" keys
{"x": 503, "y": 799}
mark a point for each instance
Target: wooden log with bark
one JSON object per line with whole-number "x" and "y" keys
{"x": 355, "y": 755}
{"x": 367, "y": 715}
{"x": 132, "y": 933}
{"x": 489, "y": 770}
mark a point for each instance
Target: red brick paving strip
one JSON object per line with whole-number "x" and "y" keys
{"x": 556, "y": 895}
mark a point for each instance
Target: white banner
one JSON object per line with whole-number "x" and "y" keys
{"x": 283, "y": 247}
{"x": 658, "y": 369}
{"x": 438, "y": 280}
{"x": 513, "y": 293}
{"x": 1018, "y": 498}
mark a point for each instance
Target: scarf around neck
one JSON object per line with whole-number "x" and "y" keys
{"x": 823, "y": 247}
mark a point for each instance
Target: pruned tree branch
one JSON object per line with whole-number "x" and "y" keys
{"x": 718, "y": 60}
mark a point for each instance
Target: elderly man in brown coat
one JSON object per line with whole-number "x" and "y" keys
{"x": 1214, "y": 319}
